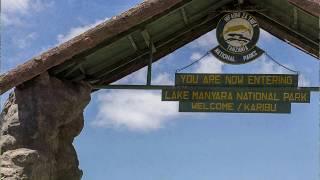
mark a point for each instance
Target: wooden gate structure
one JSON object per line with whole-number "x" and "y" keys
{"x": 45, "y": 110}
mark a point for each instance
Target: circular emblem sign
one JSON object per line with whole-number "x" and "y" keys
{"x": 237, "y": 34}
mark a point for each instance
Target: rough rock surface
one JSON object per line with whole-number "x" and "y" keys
{"x": 37, "y": 127}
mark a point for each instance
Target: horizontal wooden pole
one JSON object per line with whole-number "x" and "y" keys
{"x": 160, "y": 87}
{"x": 133, "y": 87}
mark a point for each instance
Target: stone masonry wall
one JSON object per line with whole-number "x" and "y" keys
{"x": 38, "y": 124}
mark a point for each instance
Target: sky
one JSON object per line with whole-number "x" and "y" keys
{"x": 133, "y": 135}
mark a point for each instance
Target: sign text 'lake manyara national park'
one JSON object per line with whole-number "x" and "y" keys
{"x": 236, "y": 93}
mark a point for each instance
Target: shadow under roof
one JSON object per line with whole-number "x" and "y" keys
{"x": 120, "y": 45}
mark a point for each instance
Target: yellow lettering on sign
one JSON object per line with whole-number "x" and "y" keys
{"x": 222, "y": 106}
{"x": 212, "y": 106}
{"x": 189, "y": 79}
{"x": 176, "y": 95}
{"x": 212, "y": 79}
{"x": 198, "y": 106}
{"x": 211, "y": 95}
{"x": 270, "y": 80}
{"x": 295, "y": 96}
{"x": 257, "y": 96}
{"x": 234, "y": 80}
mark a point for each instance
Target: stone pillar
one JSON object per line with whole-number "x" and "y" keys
{"x": 38, "y": 124}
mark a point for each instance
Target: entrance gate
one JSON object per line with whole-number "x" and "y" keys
{"x": 45, "y": 110}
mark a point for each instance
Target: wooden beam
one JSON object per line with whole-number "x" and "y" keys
{"x": 105, "y": 72}
{"x": 295, "y": 18}
{"x": 134, "y": 45}
{"x": 162, "y": 51}
{"x": 147, "y": 38}
{"x": 289, "y": 36}
{"x": 106, "y": 68}
{"x": 75, "y": 67}
{"x": 184, "y": 16}
{"x": 310, "y": 6}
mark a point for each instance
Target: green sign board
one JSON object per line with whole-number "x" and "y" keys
{"x": 235, "y": 107}
{"x": 236, "y": 95}
{"x": 237, "y": 80}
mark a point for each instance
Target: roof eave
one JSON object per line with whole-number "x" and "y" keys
{"x": 83, "y": 43}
